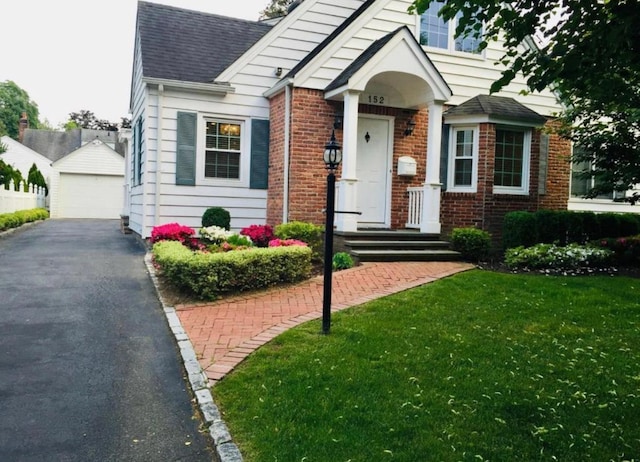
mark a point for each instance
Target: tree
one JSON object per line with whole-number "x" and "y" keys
{"x": 7, "y": 174}
{"x": 87, "y": 119}
{"x": 588, "y": 53}
{"x": 13, "y": 102}
{"x": 35, "y": 177}
{"x": 276, "y": 8}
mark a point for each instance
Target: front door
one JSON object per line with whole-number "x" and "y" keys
{"x": 373, "y": 171}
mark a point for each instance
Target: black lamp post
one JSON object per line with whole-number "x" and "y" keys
{"x": 332, "y": 158}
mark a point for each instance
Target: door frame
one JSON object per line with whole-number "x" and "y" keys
{"x": 389, "y": 166}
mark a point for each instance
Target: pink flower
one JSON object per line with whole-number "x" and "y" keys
{"x": 286, "y": 243}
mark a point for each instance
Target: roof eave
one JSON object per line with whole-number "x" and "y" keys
{"x": 200, "y": 87}
{"x": 277, "y": 88}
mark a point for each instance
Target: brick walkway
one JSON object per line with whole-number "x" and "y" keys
{"x": 225, "y": 332}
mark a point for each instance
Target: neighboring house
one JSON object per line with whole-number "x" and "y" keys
{"x": 87, "y": 173}
{"x": 236, "y": 114}
{"x": 22, "y": 158}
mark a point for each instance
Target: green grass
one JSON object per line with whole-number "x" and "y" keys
{"x": 480, "y": 366}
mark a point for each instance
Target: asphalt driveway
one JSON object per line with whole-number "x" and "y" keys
{"x": 89, "y": 370}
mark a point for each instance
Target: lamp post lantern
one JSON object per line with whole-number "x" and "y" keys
{"x": 332, "y": 158}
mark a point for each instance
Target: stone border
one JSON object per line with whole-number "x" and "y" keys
{"x": 226, "y": 449}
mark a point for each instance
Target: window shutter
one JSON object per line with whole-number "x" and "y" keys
{"x": 186, "y": 149}
{"x": 544, "y": 163}
{"x": 259, "y": 154}
{"x": 444, "y": 156}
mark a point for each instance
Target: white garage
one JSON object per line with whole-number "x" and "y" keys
{"x": 88, "y": 183}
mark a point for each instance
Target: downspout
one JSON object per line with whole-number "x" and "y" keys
{"x": 287, "y": 152}
{"x": 159, "y": 155}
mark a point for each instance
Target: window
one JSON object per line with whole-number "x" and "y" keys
{"x": 437, "y": 33}
{"x": 223, "y": 150}
{"x": 511, "y": 174}
{"x": 463, "y": 160}
{"x": 582, "y": 182}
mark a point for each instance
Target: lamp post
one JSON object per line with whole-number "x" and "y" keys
{"x": 332, "y": 158}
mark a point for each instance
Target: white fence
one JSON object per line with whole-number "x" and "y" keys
{"x": 416, "y": 197}
{"x": 12, "y": 201}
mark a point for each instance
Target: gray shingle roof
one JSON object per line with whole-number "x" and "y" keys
{"x": 496, "y": 106}
{"x": 55, "y": 145}
{"x": 191, "y": 46}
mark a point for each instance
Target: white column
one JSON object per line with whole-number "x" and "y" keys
{"x": 432, "y": 186}
{"x": 348, "y": 190}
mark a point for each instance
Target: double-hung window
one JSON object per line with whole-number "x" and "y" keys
{"x": 463, "y": 160}
{"x": 437, "y": 33}
{"x": 583, "y": 180}
{"x": 223, "y": 148}
{"x": 512, "y": 159}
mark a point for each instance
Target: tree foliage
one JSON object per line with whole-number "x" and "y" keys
{"x": 87, "y": 119}
{"x": 35, "y": 177}
{"x": 8, "y": 173}
{"x": 276, "y": 8}
{"x": 13, "y": 102}
{"x": 589, "y": 53}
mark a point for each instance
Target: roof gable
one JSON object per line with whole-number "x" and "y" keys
{"x": 186, "y": 45}
{"x": 22, "y": 157}
{"x": 92, "y": 157}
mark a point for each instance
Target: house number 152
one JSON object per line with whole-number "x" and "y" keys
{"x": 376, "y": 99}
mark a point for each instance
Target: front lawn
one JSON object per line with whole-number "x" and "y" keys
{"x": 476, "y": 367}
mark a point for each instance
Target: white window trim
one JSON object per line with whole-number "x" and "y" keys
{"x": 451, "y": 42}
{"x": 451, "y": 187}
{"x": 245, "y": 149}
{"x": 526, "y": 165}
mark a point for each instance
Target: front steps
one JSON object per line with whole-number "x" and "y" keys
{"x": 390, "y": 246}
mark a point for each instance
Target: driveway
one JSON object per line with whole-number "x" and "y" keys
{"x": 89, "y": 370}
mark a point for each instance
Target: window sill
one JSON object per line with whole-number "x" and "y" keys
{"x": 447, "y": 52}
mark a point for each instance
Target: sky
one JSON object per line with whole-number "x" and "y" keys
{"x": 72, "y": 55}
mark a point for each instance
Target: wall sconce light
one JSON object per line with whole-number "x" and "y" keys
{"x": 338, "y": 120}
{"x": 278, "y": 71}
{"x": 411, "y": 125}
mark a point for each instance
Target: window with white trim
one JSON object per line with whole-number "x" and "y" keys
{"x": 437, "y": 33}
{"x": 223, "y": 150}
{"x": 463, "y": 160}
{"x": 512, "y": 159}
{"x": 583, "y": 180}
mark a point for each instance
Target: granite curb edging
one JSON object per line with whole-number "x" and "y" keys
{"x": 226, "y": 449}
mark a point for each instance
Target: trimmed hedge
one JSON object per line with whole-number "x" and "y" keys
{"x": 209, "y": 275}
{"x": 302, "y": 231}
{"x": 565, "y": 227}
{"x": 19, "y": 218}
{"x": 472, "y": 243}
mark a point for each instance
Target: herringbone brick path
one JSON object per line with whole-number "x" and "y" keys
{"x": 225, "y": 332}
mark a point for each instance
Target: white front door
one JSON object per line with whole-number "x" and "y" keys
{"x": 373, "y": 171}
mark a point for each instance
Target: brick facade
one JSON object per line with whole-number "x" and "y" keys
{"x": 312, "y": 120}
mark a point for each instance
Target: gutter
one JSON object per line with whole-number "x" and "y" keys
{"x": 202, "y": 87}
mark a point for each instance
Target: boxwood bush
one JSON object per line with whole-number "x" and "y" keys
{"x": 19, "y": 218}
{"x": 302, "y": 231}
{"x": 210, "y": 275}
{"x": 473, "y": 244}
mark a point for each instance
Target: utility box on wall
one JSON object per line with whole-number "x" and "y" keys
{"x": 407, "y": 166}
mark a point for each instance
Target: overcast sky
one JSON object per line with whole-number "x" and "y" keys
{"x": 77, "y": 54}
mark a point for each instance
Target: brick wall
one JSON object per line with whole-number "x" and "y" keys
{"x": 275, "y": 197}
{"x": 486, "y": 210}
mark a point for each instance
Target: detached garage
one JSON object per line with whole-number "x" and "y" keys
{"x": 88, "y": 183}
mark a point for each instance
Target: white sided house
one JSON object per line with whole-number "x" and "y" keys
{"x": 236, "y": 114}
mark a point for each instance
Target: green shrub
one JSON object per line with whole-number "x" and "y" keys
{"x": 17, "y": 219}
{"x": 209, "y": 275}
{"x": 216, "y": 216}
{"x": 554, "y": 257}
{"x": 302, "y": 231}
{"x": 342, "y": 261}
{"x": 565, "y": 227}
{"x": 519, "y": 229}
{"x": 474, "y": 244}
{"x": 626, "y": 249}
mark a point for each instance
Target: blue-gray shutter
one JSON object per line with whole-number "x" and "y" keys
{"x": 186, "y": 149}
{"x": 259, "y": 154}
{"x": 444, "y": 156}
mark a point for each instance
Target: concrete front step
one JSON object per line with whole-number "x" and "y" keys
{"x": 405, "y": 255}
{"x": 406, "y": 245}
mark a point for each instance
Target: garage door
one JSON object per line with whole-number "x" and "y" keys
{"x": 90, "y": 196}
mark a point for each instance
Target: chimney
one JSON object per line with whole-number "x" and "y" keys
{"x": 24, "y": 124}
